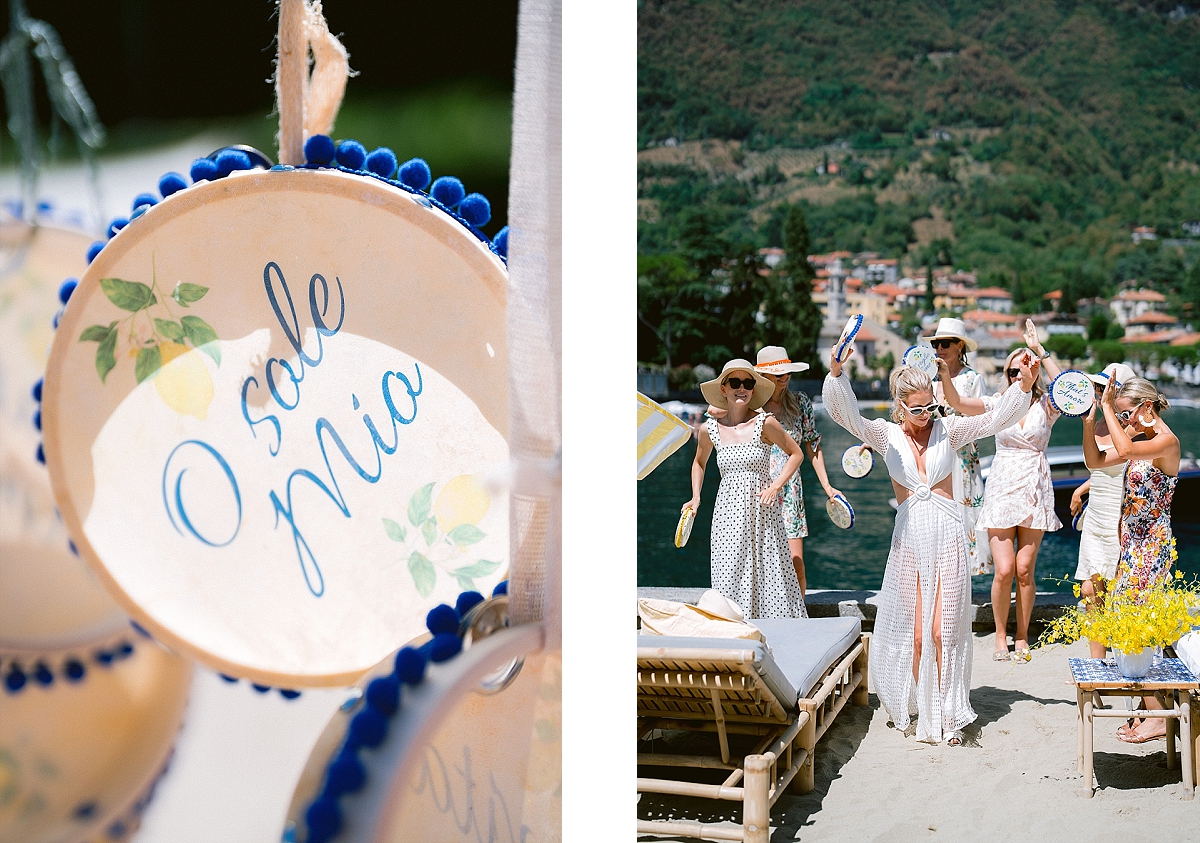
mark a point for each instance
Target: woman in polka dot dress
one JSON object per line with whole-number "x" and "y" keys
{"x": 750, "y": 559}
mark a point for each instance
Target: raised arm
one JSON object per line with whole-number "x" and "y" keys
{"x": 1053, "y": 370}
{"x": 1013, "y": 404}
{"x": 1093, "y": 457}
{"x": 842, "y": 407}
{"x": 964, "y": 405}
{"x": 1162, "y": 450}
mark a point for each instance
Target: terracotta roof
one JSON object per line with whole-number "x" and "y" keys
{"x": 988, "y": 316}
{"x": 1186, "y": 339}
{"x": 1144, "y": 229}
{"x": 1151, "y": 317}
{"x": 864, "y": 334}
{"x": 993, "y": 293}
{"x": 882, "y": 261}
{"x": 772, "y": 250}
{"x": 1140, "y": 295}
{"x": 1006, "y": 333}
{"x": 1053, "y": 295}
{"x": 889, "y": 290}
{"x": 1153, "y": 337}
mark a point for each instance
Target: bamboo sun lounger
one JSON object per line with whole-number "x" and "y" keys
{"x": 788, "y": 697}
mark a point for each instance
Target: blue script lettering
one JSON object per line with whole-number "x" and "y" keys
{"x": 173, "y": 493}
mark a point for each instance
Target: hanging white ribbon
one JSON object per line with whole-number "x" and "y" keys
{"x": 308, "y": 100}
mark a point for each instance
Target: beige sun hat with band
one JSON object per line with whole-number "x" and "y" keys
{"x": 1120, "y": 371}
{"x": 949, "y": 328}
{"x": 773, "y": 360}
{"x": 763, "y": 389}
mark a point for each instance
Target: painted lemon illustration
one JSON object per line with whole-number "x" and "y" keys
{"x": 183, "y": 382}
{"x": 463, "y": 500}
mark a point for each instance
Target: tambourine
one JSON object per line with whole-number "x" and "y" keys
{"x": 857, "y": 461}
{"x": 840, "y": 512}
{"x": 1077, "y": 521}
{"x": 267, "y": 408}
{"x": 922, "y": 357}
{"x": 1072, "y": 393}
{"x": 466, "y": 746}
{"x": 683, "y": 531}
{"x": 85, "y": 735}
{"x": 853, "y": 326}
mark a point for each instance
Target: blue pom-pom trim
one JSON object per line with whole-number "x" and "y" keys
{"x": 382, "y": 162}
{"x": 171, "y": 183}
{"x": 415, "y": 173}
{"x": 94, "y": 250}
{"x": 351, "y": 154}
{"x": 319, "y": 150}
{"x": 144, "y": 199}
{"x": 68, "y": 287}
{"x": 346, "y": 773}
{"x": 448, "y": 190}
{"x": 475, "y": 209}
{"x": 229, "y": 160}
{"x": 501, "y": 588}
{"x": 203, "y": 169}
{"x": 17, "y": 675}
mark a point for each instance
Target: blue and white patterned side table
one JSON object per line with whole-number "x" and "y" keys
{"x": 1169, "y": 681}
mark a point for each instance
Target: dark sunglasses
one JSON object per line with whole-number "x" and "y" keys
{"x": 942, "y": 343}
{"x": 1126, "y": 415}
{"x": 1014, "y": 373}
{"x": 920, "y": 411}
{"x": 739, "y": 383}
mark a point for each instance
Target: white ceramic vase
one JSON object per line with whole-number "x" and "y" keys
{"x": 1134, "y": 665}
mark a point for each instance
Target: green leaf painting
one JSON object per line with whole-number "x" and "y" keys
{"x": 420, "y": 505}
{"x": 394, "y": 531}
{"x": 149, "y": 361}
{"x": 142, "y": 332}
{"x": 423, "y": 574}
{"x": 429, "y": 548}
{"x": 127, "y": 295}
{"x": 105, "y": 354}
{"x": 185, "y": 293}
{"x": 201, "y": 333}
{"x": 169, "y": 329}
{"x": 466, "y": 534}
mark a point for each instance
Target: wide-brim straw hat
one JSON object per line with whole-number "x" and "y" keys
{"x": 763, "y": 389}
{"x": 949, "y": 328}
{"x": 773, "y": 360}
{"x": 1120, "y": 371}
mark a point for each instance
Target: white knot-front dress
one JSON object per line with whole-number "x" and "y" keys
{"x": 1019, "y": 491}
{"x": 929, "y": 548}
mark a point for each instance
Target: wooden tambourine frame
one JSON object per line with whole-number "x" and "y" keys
{"x": 266, "y": 410}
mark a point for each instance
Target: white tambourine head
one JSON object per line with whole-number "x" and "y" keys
{"x": 857, "y": 462}
{"x": 1072, "y": 393}
{"x": 266, "y": 413}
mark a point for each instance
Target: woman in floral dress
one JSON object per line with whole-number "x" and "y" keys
{"x": 794, "y": 410}
{"x": 951, "y": 343}
{"x": 1140, "y": 436}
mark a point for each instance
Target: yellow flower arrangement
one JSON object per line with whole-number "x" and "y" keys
{"x": 1130, "y": 620}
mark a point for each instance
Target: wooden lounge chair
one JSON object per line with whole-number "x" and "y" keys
{"x": 788, "y": 697}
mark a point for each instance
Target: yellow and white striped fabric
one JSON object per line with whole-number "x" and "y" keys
{"x": 660, "y": 434}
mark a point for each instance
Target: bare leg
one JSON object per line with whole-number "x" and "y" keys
{"x": 1151, "y": 727}
{"x": 1028, "y": 542}
{"x": 937, "y": 631}
{"x": 1092, "y": 591}
{"x": 797, "y": 548}
{"x": 1001, "y": 543}
{"x": 916, "y": 665}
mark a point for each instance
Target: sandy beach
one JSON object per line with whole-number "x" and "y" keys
{"x": 1014, "y": 779}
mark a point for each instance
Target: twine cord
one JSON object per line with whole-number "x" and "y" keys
{"x": 308, "y": 91}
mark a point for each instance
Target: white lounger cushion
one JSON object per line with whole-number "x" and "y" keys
{"x": 802, "y": 650}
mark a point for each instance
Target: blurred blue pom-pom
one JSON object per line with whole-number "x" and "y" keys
{"x": 500, "y": 241}
{"x": 143, "y": 199}
{"x": 448, "y": 190}
{"x": 346, "y": 775}
{"x": 382, "y": 162}
{"x": 351, "y": 154}
{"x": 384, "y": 693}
{"x": 65, "y": 290}
{"x": 501, "y": 588}
{"x": 444, "y": 646}
{"x": 324, "y": 819}
{"x": 171, "y": 183}
{"x": 410, "y": 665}
{"x": 229, "y": 160}
{"x": 319, "y": 149}
{"x": 94, "y": 250}
{"x": 442, "y": 618}
{"x": 368, "y": 728}
{"x": 467, "y": 601}
{"x": 202, "y": 169}
{"x": 415, "y": 173}
{"x": 41, "y": 454}
{"x": 475, "y": 209}
{"x": 116, "y": 225}
{"x": 37, "y": 389}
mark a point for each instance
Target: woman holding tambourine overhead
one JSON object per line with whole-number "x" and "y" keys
{"x": 921, "y": 650}
{"x": 750, "y": 562}
{"x": 1018, "y": 502}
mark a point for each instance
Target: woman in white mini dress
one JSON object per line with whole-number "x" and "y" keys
{"x": 1018, "y": 501}
{"x": 1099, "y": 543}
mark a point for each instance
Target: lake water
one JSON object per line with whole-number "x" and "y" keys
{"x": 854, "y": 558}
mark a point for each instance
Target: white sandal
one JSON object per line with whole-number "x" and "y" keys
{"x": 954, "y": 738}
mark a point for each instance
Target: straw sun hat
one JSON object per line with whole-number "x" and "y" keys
{"x": 763, "y": 390}
{"x": 949, "y": 328}
{"x": 773, "y": 360}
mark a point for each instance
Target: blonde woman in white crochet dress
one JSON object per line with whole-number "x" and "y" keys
{"x": 921, "y": 648}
